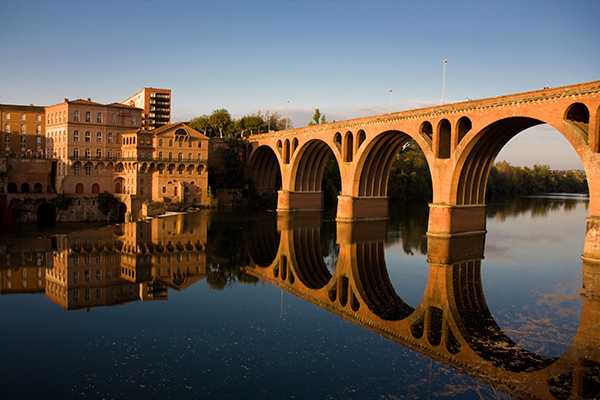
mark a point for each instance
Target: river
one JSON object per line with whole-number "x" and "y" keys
{"x": 254, "y": 305}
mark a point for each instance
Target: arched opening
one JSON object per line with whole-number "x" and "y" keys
{"x": 118, "y": 187}
{"x": 12, "y": 187}
{"x": 444, "y": 139}
{"x": 463, "y": 127}
{"x": 395, "y": 166}
{"x": 361, "y": 138}
{"x": 426, "y": 129}
{"x": 37, "y": 188}
{"x": 121, "y": 211}
{"x": 317, "y": 170}
{"x": 286, "y": 152}
{"x": 46, "y": 214}
{"x": 95, "y": 188}
{"x": 25, "y": 187}
{"x": 79, "y": 188}
{"x": 265, "y": 173}
{"x": 578, "y": 112}
{"x": 348, "y": 148}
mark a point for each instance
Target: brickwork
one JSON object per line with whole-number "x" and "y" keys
{"x": 460, "y": 142}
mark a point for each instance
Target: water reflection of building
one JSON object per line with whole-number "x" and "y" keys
{"x": 110, "y": 265}
{"x": 451, "y": 324}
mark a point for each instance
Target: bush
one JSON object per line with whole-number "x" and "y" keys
{"x": 61, "y": 202}
{"x": 106, "y": 202}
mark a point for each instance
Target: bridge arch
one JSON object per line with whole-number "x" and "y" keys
{"x": 373, "y": 169}
{"x": 264, "y": 169}
{"x": 308, "y": 167}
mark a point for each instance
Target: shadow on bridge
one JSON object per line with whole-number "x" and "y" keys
{"x": 452, "y": 322}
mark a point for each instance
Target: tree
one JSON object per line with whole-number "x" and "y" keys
{"x": 201, "y": 124}
{"x": 220, "y": 120}
{"x": 318, "y": 118}
{"x": 106, "y": 202}
{"x": 253, "y": 123}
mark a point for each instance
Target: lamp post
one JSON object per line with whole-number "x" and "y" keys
{"x": 390, "y": 101}
{"x": 286, "y": 114}
{"x": 444, "y": 83}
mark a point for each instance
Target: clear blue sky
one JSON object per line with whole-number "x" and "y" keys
{"x": 339, "y": 56}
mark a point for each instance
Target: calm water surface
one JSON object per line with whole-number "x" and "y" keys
{"x": 235, "y": 305}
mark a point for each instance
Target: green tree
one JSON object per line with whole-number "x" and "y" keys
{"x": 106, "y": 202}
{"x": 318, "y": 118}
{"x": 220, "y": 120}
{"x": 201, "y": 124}
{"x": 252, "y": 124}
{"x": 61, "y": 202}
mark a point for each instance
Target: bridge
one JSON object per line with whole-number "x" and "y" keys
{"x": 451, "y": 324}
{"x": 460, "y": 142}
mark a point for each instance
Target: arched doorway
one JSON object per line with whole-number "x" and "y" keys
{"x": 25, "y": 188}
{"x": 46, "y": 214}
{"x": 121, "y": 211}
{"x": 79, "y": 188}
{"x": 95, "y": 188}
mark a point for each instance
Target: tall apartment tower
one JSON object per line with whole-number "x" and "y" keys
{"x": 156, "y": 104}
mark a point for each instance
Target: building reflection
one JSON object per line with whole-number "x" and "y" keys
{"x": 110, "y": 265}
{"x": 451, "y": 324}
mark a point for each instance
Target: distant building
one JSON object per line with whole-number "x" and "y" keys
{"x": 156, "y": 104}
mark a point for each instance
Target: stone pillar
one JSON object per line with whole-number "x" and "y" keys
{"x": 451, "y": 220}
{"x": 288, "y": 201}
{"x": 352, "y": 208}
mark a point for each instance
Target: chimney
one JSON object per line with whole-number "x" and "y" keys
{"x": 66, "y": 100}
{"x": 89, "y": 99}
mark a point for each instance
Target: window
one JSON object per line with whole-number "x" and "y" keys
{"x": 87, "y": 116}
{"x": 7, "y": 115}
{"x": 132, "y": 120}
{"x": 7, "y": 128}
{"x": 170, "y": 143}
{"x": 170, "y": 156}
{"x": 76, "y": 116}
{"x": 99, "y": 137}
{"x": 110, "y": 154}
{"x": 75, "y": 276}
{"x": 142, "y": 154}
{"x": 160, "y": 155}
{"x": 199, "y": 156}
{"x": 164, "y": 189}
{"x": 75, "y": 152}
{"x": 110, "y": 137}
{"x": 141, "y": 191}
{"x": 189, "y": 156}
{"x": 98, "y": 153}
{"x": 118, "y": 153}
{"x": 88, "y": 136}
{"x": 99, "y": 118}
{"x": 160, "y": 142}
{"x": 88, "y": 169}
{"x": 150, "y": 155}
{"x": 38, "y": 139}
{"x": 180, "y": 157}
{"x": 161, "y": 168}
{"x": 38, "y": 130}
{"x": 87, "y": 153}
{"x": 38, "y": 117}
{"x": 190, "y": 143}
{"x": 87, "y": 275}
{"x": 114, "y": 119}
{"x": 76, "y": 169}
{"x": 23, "y": 128}
{"x": 199, "y": 144}
{"x": 23, "y": 117}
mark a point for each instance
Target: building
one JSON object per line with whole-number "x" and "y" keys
{"x": 85, "y": 138}
{"x": 22, "y": 131}
{"x": 156, "y": 104}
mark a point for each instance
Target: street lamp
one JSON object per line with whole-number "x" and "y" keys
{"x": 286, "y": 114}
{"x": 444, "y": 83}
{"x": 390, "y": 101}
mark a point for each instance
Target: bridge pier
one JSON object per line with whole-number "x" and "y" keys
{"x": 288, "y": 201}
{"x": 352, "y": 208}
{"x": 447, "y": 220}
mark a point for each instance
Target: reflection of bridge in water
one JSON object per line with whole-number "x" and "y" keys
{"x": 451, "y": 324}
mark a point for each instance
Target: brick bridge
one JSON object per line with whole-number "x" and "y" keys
{"x": 451, "y": 324}
{"x": 460, "y": 142}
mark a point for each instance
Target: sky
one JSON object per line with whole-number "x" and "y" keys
{"x": 341, "y": 57}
